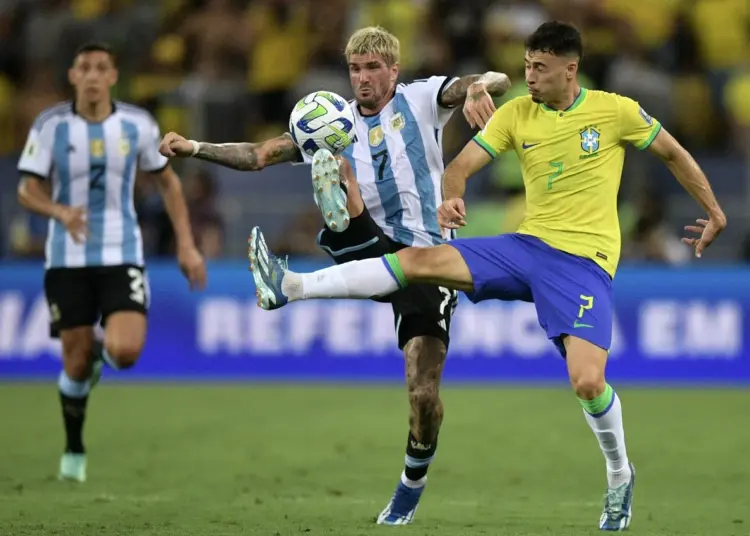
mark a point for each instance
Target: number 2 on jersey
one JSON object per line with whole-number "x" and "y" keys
{"x": 96, "y": 177}
{"x": 558, "y": 171}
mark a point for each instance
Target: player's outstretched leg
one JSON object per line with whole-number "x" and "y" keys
{"x": 603, "y": 412}
{"x": 329, "y": 195}
{"x": 276, "y": 285}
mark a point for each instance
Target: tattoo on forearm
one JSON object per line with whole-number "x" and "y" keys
{"x": 456, "y": 92}
{"x": 242, "y": 156}
{"x": 282, "y": 150}
{"x": 496, "y": 84}
{"x": 250, "y": 156}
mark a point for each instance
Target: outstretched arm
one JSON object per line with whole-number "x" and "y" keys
{"x": 471, "y": 159}
{"x": 241, "y": 156}
{"x": 473, "y": 86}
{"x": 689, "y": 174}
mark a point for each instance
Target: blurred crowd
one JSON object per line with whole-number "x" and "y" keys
{"x": 226, "y": 70}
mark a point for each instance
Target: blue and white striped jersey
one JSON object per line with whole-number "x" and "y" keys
{"x": 398, "y": 161}
{"x": 93, "y": 165}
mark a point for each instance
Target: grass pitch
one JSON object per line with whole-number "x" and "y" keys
{"x": 279, "y": 460}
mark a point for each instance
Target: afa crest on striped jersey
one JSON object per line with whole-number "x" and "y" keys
{"x": 93, "y": 165}
{"x": 398, "y": 161}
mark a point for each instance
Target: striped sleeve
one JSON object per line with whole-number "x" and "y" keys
{"x": 150, "y": 159}
{"x": 36, "y": 159}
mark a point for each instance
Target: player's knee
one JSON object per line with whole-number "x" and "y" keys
{"x": 416, "y": 263}
{"x": 588, "y": 383}
{"x": 77, "y": 365}
{"x": 424, "y": 398}
{"x": 124, "y": 353}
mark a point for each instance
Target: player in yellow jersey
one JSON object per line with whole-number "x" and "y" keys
{"x": 571, "y": 143}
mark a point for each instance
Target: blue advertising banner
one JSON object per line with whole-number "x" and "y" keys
{"x": 671, "y": 326}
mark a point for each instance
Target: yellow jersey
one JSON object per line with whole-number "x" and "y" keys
{"x": 572, "y": 164}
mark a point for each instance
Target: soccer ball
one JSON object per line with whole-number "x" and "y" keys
{"x": 322, "y": 120}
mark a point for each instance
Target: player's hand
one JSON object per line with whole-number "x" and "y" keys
{"x": 74, "y": 220}
{"x": 452, "y": 213}
{"x": 479, "y": 106}
{"x": 172, "y": 144}
{"x": 708, "y": 230}
{"x": 193, "y": 267}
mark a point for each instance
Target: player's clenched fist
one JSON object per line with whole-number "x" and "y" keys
{"x": 452, "y": 213}
{"x": 172, "y": 144}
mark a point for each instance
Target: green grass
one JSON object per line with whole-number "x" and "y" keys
{"x": 287, "y": 460}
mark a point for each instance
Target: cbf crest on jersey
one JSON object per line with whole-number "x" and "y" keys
{"x": 590, "y": 141}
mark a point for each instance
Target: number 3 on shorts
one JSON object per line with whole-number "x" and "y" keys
{"x": 138, "y": 292}
{"x": 588, "y": 303}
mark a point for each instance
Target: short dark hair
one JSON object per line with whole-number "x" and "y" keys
{"x": 96, "y": 47}
{"x": 558, "y": 38}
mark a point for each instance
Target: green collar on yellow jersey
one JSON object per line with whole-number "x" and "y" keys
{"x": 576, "y": 103}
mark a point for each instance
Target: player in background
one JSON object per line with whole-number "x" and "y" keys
{"x": 571, "y": 143}
{"x": 398, "y": 161}
{"x": 89, "y": 149}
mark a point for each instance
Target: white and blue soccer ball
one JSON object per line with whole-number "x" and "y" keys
{"x": 322, "y": 120}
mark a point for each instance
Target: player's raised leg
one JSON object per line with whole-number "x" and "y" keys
{"x": 124, "y": 337}
{"x": 124, "y": 298}
{"x": 335, "y": 190}
{"x": 276, "y": 285}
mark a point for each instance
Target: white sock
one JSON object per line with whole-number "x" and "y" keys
{"x": 73, "y": 388}
{"x": 358, "y": 279}
{"x": 609, "y": 430}
{"x": 414, "y": 484}
{"x": 111, "y": 363}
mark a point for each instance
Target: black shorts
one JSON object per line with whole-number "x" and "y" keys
{"x": 419, "y": 310}
{"x": 81, "y": 296}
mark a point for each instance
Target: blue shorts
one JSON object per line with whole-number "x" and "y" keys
{"x": 572, "y": 295}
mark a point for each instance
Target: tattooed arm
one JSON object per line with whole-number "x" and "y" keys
{"x": 474, "y": 86}
{"x": 476, "y": 92}
{"x": 241, "y": 156}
